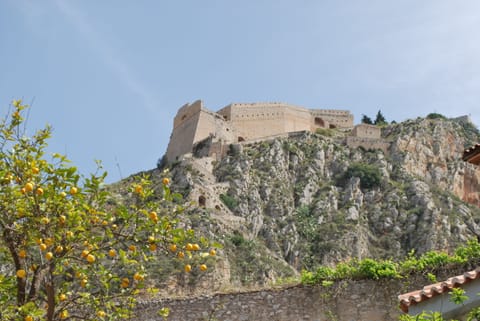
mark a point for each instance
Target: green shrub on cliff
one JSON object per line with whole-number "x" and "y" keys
{"x": 435, "y": 116}
{"x": 370, "y": 175}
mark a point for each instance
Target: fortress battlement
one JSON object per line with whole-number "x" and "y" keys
{"x": 239, "y": 122}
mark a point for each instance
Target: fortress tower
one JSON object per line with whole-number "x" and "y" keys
{"x": 194, "y": 123}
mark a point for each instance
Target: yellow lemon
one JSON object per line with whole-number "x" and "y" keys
{"x": 28, "y": 187}
{"x": 49, "y": 256}
{"x": 112, "y": 253}
{"x": 90, "y": 258}
{"x": 21, "y": 273}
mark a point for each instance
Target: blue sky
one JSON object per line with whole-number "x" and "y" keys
{"x": 110, "y": 75}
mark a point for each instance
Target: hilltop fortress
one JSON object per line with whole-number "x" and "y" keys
{"x": 196, "y": 127}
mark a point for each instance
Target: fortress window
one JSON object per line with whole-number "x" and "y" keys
{"x": 332, "y": 126}
{"x": 201, "y": 201}
{"x": 183, "y": 117}
{"x": 241, "y": 139}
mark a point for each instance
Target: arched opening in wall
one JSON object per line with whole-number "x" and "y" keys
{"x": 332, "y": 126}
{"x": 241, "y": 139}
{"x": 202, "y": 200}
{"x": 217, "y": 207}
{"x": 319, "y": 122}
{"x": 183, "y": 117}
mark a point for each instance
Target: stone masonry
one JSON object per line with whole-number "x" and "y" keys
{"x": 347, "y": 301}
{"x": 368, "y": 137}
{"x": 245, "y": 122}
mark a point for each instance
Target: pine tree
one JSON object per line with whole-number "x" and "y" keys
{"x": 380, "y": 119}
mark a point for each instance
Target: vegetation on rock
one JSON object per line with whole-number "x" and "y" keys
{"x": 311, "y": 201}
{"x": 429, "y": 262}
{"x": 369, "y": 175}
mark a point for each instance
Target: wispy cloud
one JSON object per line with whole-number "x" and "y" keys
{"x": 107, "y": 53}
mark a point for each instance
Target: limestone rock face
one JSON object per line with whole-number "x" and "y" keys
{"x": 431, "y": 149}
{"x": 291, "y": 203}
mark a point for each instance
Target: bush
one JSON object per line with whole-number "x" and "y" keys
{"x": 435, "y": 116}
{"x": 324, "y": 132}
{"x": 370, "y": 176}
{"x": 229, "y": 201}
{"x": 378, "y": 269}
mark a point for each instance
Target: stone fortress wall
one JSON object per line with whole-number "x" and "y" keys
{"x": 242, "y": 122}
{"x": 253, "y": 120}
{"x": 192, "y": 124}
{"x": 368, "y": 137}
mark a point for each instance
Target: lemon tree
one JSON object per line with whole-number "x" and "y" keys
{"x": 69, "y": 250}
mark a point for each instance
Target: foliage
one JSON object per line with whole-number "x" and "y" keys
{"x": 380, "y": 119}
{"x": 435, "y": 116}
{"x": 474, "y": 314}
{"x": 162, "y": 162}
{"x": 366, "y": 120}
{"x": 377, "y": 269}
{"x": 229, "y": 201}
{"x": 70, "y": 250}
{"x": 233, "y": 150}
{"x": 370, "y": 175}
{"x": 432, "y": 277}
{"x": 249, "y": 261}
{"x": 354, "y": 269}
{"x": 324, "y": 132}
{"x": 457, "y": 295}
{"x": 424, "y": 316}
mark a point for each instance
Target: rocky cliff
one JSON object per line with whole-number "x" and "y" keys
{"x": 286, "y": 204}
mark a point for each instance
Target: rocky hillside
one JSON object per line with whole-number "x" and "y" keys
{"x": 286, "y": 204}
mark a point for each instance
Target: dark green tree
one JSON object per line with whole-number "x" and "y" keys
{"x": 380, "y": 119}
{"x": 366, "y": 120}
{"x": 370, "y": 175}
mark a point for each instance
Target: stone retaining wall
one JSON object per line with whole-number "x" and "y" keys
{"x": 346, "y": 301}
{"x": 367, "y": 143}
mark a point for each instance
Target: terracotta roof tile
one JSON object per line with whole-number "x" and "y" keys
{"x": 415, "y": 297}
{"x": 471, "y": 152}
